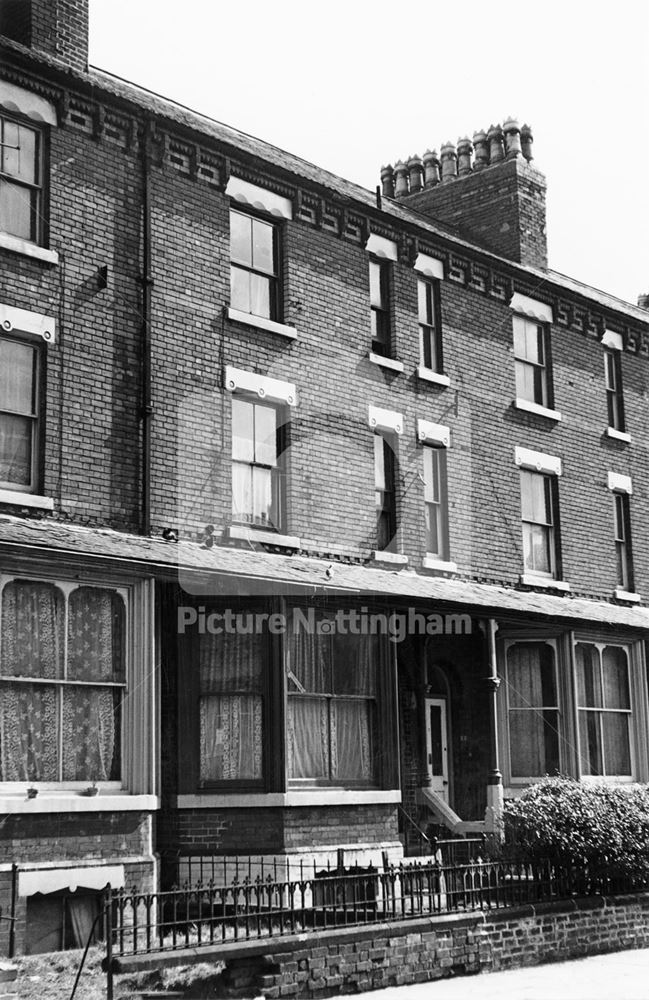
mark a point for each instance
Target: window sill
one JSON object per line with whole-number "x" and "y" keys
{"x": 27, "y": 249}
{"x": 539, "y": 411}
{"x": 440, "y": 565}
{"x": 390, "y": 558}
{"x": 68, "y": 802}
{"x": 26, "y": 500}
{"x": 545, "y": 582}
{"x": 428, "y": 375}
{"x": 391, "y": 363}
{"x": 626, "y": 595}
{"x": 313, "y": 797}
{"x": 618, "y": 435}
{"x": 241, "y": 533}
{"x": 262, "y": 323}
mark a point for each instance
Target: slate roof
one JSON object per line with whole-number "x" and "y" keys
{"x": 288, "y": 574}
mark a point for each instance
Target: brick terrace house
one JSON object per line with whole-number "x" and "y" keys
{"x": 233, "y": 384}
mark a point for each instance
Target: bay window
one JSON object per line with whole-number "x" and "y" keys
{"x": 62, "y": 682}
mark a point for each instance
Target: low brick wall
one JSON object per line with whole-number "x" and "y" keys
{"x": 350, "y": 960}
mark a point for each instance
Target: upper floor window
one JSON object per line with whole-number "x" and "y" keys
{"x": 622, "y": 527}
{"x": 538, "y": 507}
{"x": 256, "y": 472}
{"x": 532, "y": 710}
{"x": 254, "y": 272}
{"x": 19, "y": 414}
{"x": 430, "y": 339}
{"x": 603, "y": 710}
{"x": 380, "y": 306}
{"x": 531, "y": 362}
{"x": 20, "y": 180}
{"x": 614, "y": 400}
{"x": 436, "y": 502}
{"x": 62, "y": 682}
{"x": 384, "y": 490}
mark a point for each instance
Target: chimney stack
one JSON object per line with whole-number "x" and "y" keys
{"x": 643, "y": 301}
{"x": 58, "y": 28}
{"x": 488, "y": 189}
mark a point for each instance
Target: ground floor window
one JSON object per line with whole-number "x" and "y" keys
{"x": 533, "y": 711}
{"x": 604, "y": 710}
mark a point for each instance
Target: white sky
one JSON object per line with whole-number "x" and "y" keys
{"x": 354, "y": 84}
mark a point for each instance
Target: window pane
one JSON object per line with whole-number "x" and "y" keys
{"x": 32, "y": 630}
{"x": 590, "y": 744}
{"x": 537, "y": 548}
{"x": 531, "y": 680}
{"x": 308, "y": 738}
{"x": 265, "y": 435}
{"x": 609, "y": 367}
{"x": 616, "y": 678}
{"x": 433, "y": 529}
{"x": 352, "y": 752}
{"x": 379, "y": 463}
{"x": 617, "y": 750}
{"x": 19, "y": 152}
{"x": 262, "y": 497}
{"x": 355, "y": 662}
{"x": 535, "y": 498}
{"x": 96, "y": 635}
{"x": 259, "y": 295}
{"x": 17, "y": 364}
{"x": 240, "y": 289}
{"x": 241, "y": 239}
{"x": 28, "y": 728}
{"x": 432, "y": 492}
{"x": 17, "y": 210}
{"x": 242, "y": 492}
{"x": 16, "y": 450}
{"x": 534, "y": 743}
{"x": 309, "y": 653}
{"x": 619, "y": 516}
{"x": 230, "y": 738}
{"x": 91, "y": 743}
{"x": 425, "y": 302}
{"x": 589, "y": 687}
{"x": 376, "y": 291}
{"x": 243, "y": 448}
{"x": 262, "y": 247}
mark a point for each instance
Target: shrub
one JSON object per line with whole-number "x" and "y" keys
{"x": 603, "y": 828}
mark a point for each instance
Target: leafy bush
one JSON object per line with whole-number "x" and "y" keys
{"x": 601, "y": 827}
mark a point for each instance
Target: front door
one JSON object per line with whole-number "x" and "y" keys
{"x": 437, "y": 746}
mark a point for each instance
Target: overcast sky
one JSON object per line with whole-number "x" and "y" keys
{"x": 354, "y": 84}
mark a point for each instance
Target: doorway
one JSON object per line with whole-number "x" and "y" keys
{"x": 437, "y": 746}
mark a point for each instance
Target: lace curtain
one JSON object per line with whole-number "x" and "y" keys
{"x": 331, "y": 736}
{"x": 231, "y": 707}
{"x": 33, "y": 746}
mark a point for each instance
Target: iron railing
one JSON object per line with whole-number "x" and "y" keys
{"x": 209, "y": 913}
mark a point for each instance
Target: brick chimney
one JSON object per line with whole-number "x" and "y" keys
{"x": 487, "y": 189}
{"x": 57, "y": 27}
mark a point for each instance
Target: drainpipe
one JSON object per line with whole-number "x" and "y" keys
{"x": 147, "y": 282}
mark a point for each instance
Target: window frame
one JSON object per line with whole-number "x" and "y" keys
{"x": 385, "y": 762}
{"x": 614, "y": 390}
{"x": 635, "y": 735}
{"x": 431, "y": 352}
{"x": 437, "y": 507}
{"x": 67, "y": 586}
{"x": 381, "y": 313}
{"x": 623, "y": 541}
{"x": 274, "y": 277}
{"x": 36, "y": 416}
{"x": 551, "y": 499}
{"x": 536, "y": 640}
{"x": 385, "y": 496}
{"x": 278, "y": 471}
{"x": 37, "y": 222}
{"x": 541, "y": 369}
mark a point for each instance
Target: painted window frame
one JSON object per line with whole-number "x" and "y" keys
{"x": 550, "y": 526}
{"x": 436, "y": 500}
{"x": 272, "y": 276}
{"x": 430, "y": 325}
{"x": 34, "y": 413}
{"x": 508, "y": 643}
{"x": 277, "y": 468}
{"x": 380, "y": 281}
{"x": 35, "y": 187}
{"x": 623, "y": 540}
{"x": 614, "y": 389}
{"x": 385, "y": 496}
{"x": 542, "y": 392}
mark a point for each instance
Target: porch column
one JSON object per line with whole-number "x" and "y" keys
{"x": 495, "y": 800}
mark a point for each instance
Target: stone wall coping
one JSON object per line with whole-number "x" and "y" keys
{"x": 271, "y": 949}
